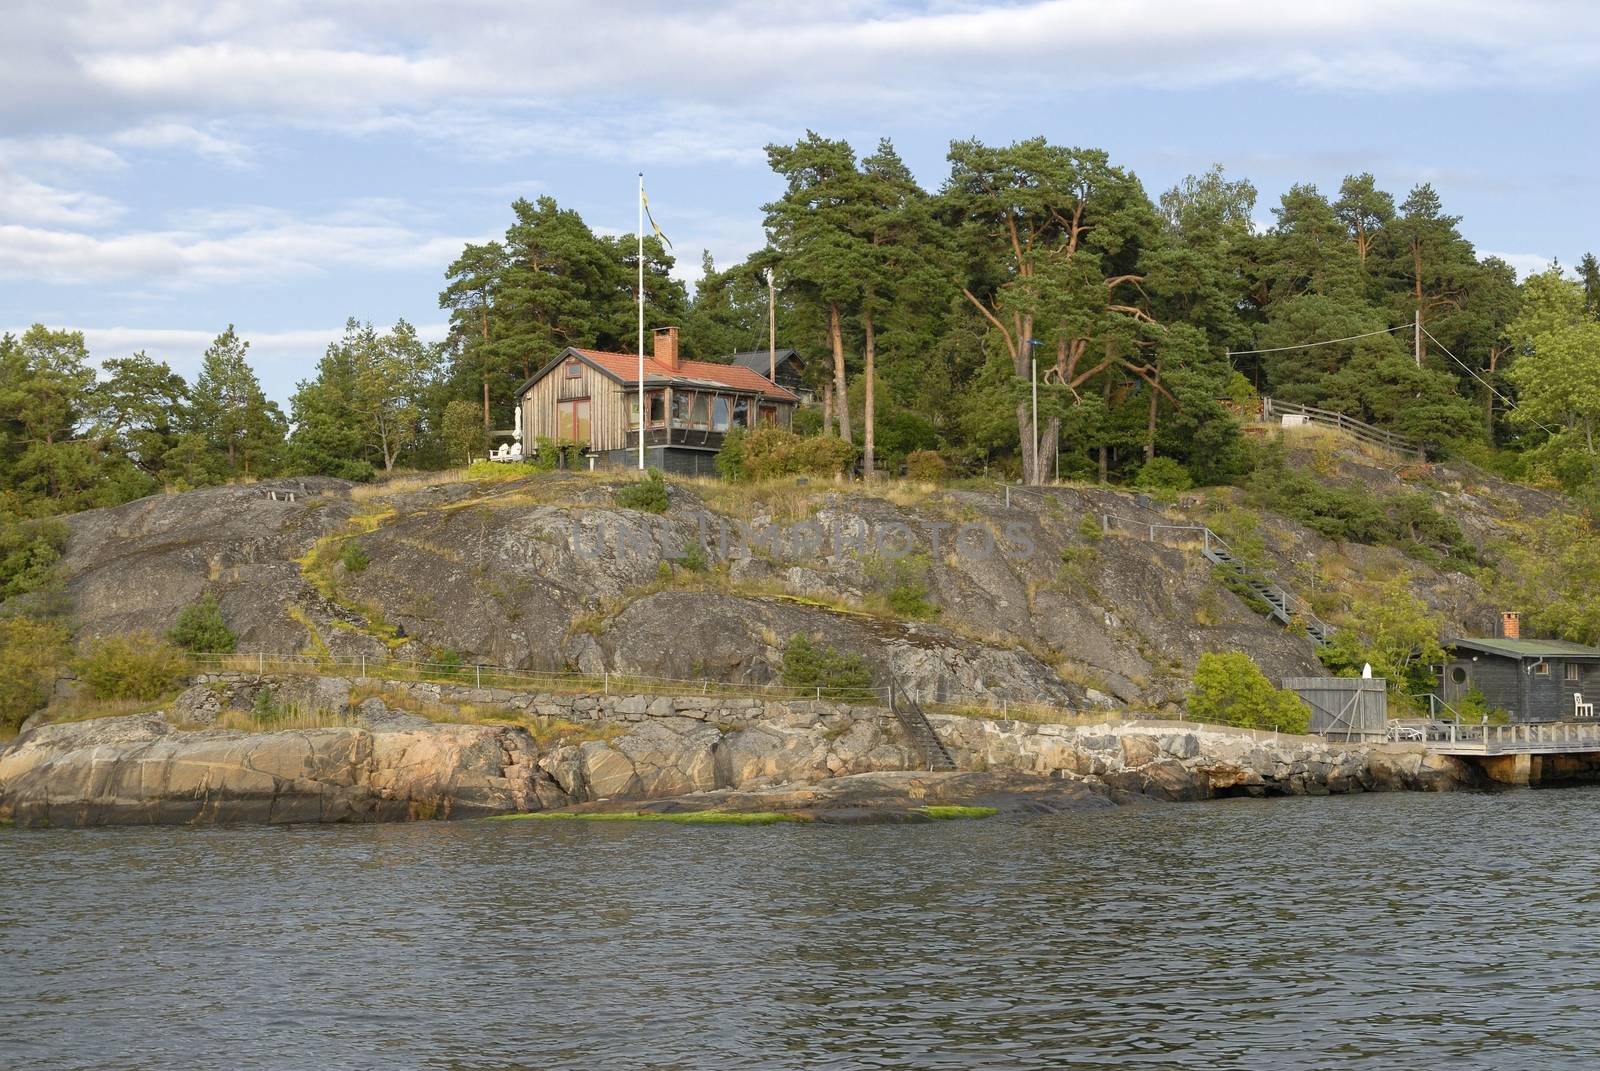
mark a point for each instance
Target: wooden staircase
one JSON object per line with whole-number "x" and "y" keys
{"x": 1282, "y": 606}
{"x": 917, "y": 726}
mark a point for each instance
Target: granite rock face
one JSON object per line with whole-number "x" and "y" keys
{"x": 140, "y": 770}
{"x": 388, "y": 764}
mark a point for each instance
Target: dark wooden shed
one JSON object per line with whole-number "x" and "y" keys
{"x": 1531, "y": 680}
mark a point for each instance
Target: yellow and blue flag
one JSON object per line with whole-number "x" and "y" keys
{"x": 652, "y": 219}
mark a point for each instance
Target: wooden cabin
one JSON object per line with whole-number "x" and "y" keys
{"x": 784, "y": 366}
{"x": 592, "y": 397}
{"x": 1531, "y": 680}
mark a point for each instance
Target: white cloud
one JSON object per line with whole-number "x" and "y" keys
{"x": 1526, "y": 264}
{"x": 183, "y": 137}
{"x": 221, "y": 246}
{"x": 22, "y": 198}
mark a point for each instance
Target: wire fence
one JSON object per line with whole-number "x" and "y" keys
{"x": 480, "y": 675}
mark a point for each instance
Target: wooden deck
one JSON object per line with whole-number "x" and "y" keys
{"x": 1543, "y": 738}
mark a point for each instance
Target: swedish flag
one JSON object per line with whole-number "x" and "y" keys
{"x": 653, "y": 226}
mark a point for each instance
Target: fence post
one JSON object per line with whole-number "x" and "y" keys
{"x": 1008, "y": 496}
{"x": 261, "y": 663}
{"x": 477, "y": 675}
{"x": 605, "y": 681}
{"x": 363, "y": 665}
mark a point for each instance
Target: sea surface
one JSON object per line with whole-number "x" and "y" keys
{"x": 1381, "y": 931}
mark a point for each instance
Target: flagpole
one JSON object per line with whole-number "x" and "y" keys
{"x": 644, "y": 417}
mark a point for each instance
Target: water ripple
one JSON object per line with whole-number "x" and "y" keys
{"x": 1362, "y": 932}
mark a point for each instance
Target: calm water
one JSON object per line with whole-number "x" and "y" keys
{"x": 1368, "y": 932}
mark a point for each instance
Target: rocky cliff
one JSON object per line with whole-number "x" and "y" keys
{"x": 1016, "y": 597}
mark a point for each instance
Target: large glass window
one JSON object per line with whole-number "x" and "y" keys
{"x": 680, "y": 410}
{"x": 572, "y": 420}
{"x": 741, "y": 412}
{"x": 719, "y": 413}
{"x": 700, "y": 415}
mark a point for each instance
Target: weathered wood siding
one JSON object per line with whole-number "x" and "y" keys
{"x": 608, "y": 409}
{"x": 1510, "y": 685}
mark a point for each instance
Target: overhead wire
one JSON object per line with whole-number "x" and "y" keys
{"x": 1487, "y": 385}
{"x": 1324, "y": 342}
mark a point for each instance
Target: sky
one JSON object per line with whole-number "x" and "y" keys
{"x": 169, "y": 168}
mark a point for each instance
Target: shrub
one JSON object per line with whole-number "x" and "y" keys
{"x": 730, "y": 459}
{"x": 926, "y": 465}
{"x": 813, "y": 666}
{"x": 648, "y": 494}
{"x": 773, "y": 452}
{"x": 355, "y": 557}
{"x": 552, "y": 454}
{"x": 1229, "y": 689}
{"x": 31, "y": 653}
{"x": 903, "y": 584}
{"x": 200, "y": 627}
{"x": 1163, "y": 474}
{"x": 29, "y": 551}
{"x": 1090, "y": 529}
{"x": 135, "y": 666}
{"x": 694, "y": 558}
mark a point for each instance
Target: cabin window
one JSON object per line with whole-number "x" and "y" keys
{"x": 769, "y": 414}
{"x": 1572, "y": 671}
{"x": 719, "y": 413}
{"x": 741, "y": 412}
{"x": 700, "y": 415}
{"x": 572, "y": 420}
{"x": 658, "y": 409}
{"x": 1458, "y": 674}
{"x": 680, "y": 410}
{"x": 1542, "y": 668}
{"x": 574, "y": 370}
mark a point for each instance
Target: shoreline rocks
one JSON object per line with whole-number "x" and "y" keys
{"x": 699, "y": 752}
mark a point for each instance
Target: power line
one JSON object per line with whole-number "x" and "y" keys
{"x": 1487, "y": 385}
{"x": 1325, "y": 342}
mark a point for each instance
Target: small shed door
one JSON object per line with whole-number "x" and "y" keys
{"x": 1457, "y": 682}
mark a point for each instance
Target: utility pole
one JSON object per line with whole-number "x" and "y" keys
{"x": 772, "y": 328}
{"x": 1038, "y": 469}
{"x": 1417, "y": 323}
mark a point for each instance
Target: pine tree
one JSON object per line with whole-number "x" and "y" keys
{"x": 231, "y": 414}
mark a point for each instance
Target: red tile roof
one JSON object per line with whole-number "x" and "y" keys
{"x": 625, "y": 366}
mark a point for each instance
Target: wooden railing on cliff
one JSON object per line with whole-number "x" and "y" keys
{"x": 1357, "y": 429}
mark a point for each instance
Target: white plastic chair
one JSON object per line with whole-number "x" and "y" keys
{"x": 1580, "y": 708}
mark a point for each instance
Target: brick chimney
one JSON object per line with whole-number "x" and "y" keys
{"x": 1510, "y": 625}
{"x": 664, "y": 347}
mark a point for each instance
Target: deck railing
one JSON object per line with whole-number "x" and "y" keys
{"x": 1359, "y": 430}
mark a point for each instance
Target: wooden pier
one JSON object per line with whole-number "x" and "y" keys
{"x": 1538, "y": 738}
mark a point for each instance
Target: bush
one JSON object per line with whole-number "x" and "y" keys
{"x": 1091, "y": 529}
{"x": 1229, "y": 689}
{"x": 648, "y": 494}
{"x": 813, "y": 666}
{"x": 730, "y": 459}
{"x": 355, "y": 557}
{"x": 903, "y": 585}
{"x": 926, "y": 465}
{"x": 135, "y": 666}
{"x": 31, "y": 654}
{"x": 29, "y": 551}
{"x": 694, "y": 558}
{"x": 200, "y": 627}
{"x": 767, "y": 453}
{"x": 1163, "y": 474}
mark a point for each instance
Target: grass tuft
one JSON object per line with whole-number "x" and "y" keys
{"x": 691, "y": 818}
{"x": 945, "y": 811}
